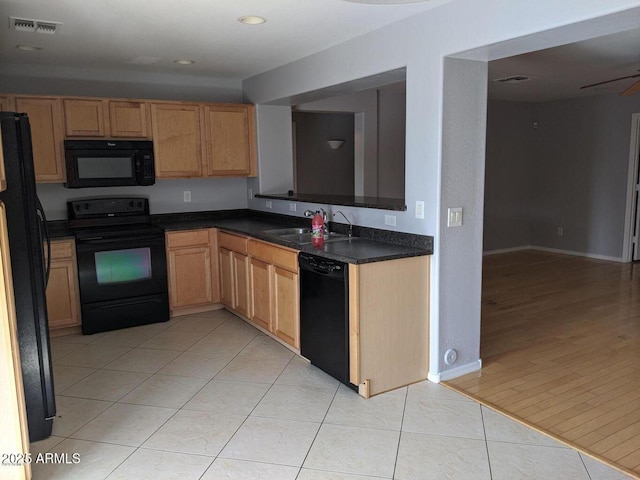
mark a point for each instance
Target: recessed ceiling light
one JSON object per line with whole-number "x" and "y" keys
{"x": 184, "y": 62}
{"x": 252, "y": 20}
{"x": 28, "y": 48}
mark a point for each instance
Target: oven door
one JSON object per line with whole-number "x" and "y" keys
{"x": 123, "y": 267}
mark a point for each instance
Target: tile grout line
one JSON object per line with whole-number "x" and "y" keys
{"x": 404, "y": 409}
{"x": 486, "y": 443}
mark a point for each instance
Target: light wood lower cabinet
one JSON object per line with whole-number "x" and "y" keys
{"x": 261, "y": 293}
{"x": 275, "y": 290}
{"x": 192, "y": 268}
{"x": 234, "y": 273}
{"x": 63, "y": 299}
{"x": 388, "y": 324}
{"x": 286, "y": 308}
{"x": 259, "y": 281}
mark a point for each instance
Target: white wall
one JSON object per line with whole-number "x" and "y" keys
{"x": 511, "y": 161}
{"x": 166, "y": 196}
{"x": 570, "y": 172}
{"x": 434, "y": 174}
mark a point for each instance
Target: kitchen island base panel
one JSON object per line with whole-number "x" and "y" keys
{"x": 388, "y": 324}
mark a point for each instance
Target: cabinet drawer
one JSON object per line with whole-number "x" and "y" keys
{"x": 233, "y": 242}
{"x": 62, "y": 249}
{"x": 189, "y": 238}
{"x": 279, "y": 256}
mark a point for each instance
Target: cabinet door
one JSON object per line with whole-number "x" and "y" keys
{"x": 261, "y": 293}
{"x": 62, "y": 292}
{"x": 226, "y": 277}
{"x": 286, "y": 308}
{"x": 177, "y": 140}
{"x": 241, "y": 283}
{"x": 7, "y": 104}
{"x": 63, "y": 299}
{"x": 85, "y": 118}
{"x": 190, "y": 277}
{"x": 45, "y": 117}
{"x": 230, "y": 140}
{"x": 129, "y": 119}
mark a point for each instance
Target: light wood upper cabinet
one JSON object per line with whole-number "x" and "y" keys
{"x": 86, "y": 118}
{"x": 230, "y": 140}
{"x": 177, "y": 140}
{"x": 129, "y": 119}
{"x": 7, "y": 104}
{"x": 192, "y": 270}
{"x": 63, "y": 299}
{"x": 47, "y": 134}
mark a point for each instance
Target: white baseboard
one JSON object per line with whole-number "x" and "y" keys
{"x": 554, "y": 250}
{"x": 507, "y": 250}
{"x": 455, "y": 372}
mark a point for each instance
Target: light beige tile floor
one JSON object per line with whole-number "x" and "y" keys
{"x": 207, "y": 396}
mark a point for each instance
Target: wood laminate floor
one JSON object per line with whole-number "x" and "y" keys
{"x": 560, "y": 347}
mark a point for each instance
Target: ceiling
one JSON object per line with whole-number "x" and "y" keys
{"x": 561, "y": 71}
{"x": 146, "y": 36}
{"x": 118, "y": 39}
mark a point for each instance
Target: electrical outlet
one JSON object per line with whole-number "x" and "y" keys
{"x": 269, "y": 204}
{"x": 560, "y": 231}
{"x": 292, "y": 207}
{"x": 187, "y": 196}
{"x": 250, "y": 194}
{"x": 420, "y": 209}
{"x": 390, "y": 220}
{"x": 454, "y": 217}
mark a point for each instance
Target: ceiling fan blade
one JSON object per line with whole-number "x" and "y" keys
{"x": 635, "y": 88}
{"x": 636, "y": 75}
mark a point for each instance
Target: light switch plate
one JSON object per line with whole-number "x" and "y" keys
{"x": 187, "y": 196}
{"x": 390, "y": 220}
{"x": 269, "y": 204}
{"x": 454, "y": 217}
{"x": 420, "y": 209}
{"x": 292, "y": 207}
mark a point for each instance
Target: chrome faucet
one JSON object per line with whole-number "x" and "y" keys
{"x": 345, "y": 217}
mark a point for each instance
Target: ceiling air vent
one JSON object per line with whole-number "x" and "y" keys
{"x": 35, "y": 26}
{"x": 514, "y": 79}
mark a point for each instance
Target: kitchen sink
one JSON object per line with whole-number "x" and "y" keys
{"x": 287, "y": 231}
{"x": 302, "y": 236}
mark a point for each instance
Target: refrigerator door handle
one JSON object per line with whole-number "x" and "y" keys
{"x": 43, "y": 229}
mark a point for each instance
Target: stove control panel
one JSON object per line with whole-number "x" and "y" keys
{"x": 106, "y": 207}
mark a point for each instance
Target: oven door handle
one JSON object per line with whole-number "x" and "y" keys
{"x": 119, "y": 240}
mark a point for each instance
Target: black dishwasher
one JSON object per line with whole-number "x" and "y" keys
{"x": 324, "y": 315}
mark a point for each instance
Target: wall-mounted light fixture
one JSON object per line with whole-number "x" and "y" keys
{"x": 335, "y": 144}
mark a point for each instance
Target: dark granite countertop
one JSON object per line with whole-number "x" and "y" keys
{"x": 365, "y": 247}
{"x": 368, "y": 244}
{"x": 347, "y": 200}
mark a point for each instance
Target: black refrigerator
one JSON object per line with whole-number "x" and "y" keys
{"x": 27, "y": 236}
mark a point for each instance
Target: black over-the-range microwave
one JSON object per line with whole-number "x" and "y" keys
{"x": 108, "y": 163}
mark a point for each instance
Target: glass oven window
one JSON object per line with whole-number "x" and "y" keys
{"x": 105, "y": 167}
{"x": 121, "y": 266}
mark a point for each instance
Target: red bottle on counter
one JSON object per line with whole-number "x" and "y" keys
{"x": 317, "y": 230}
